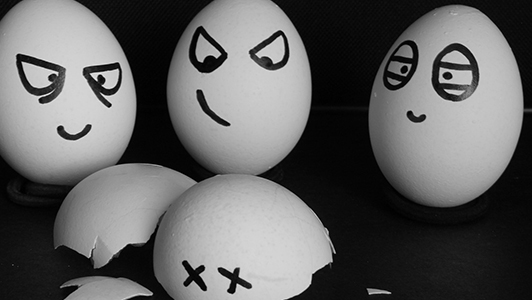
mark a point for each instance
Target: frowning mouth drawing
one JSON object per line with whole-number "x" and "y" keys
{"x": 207, "y": 110}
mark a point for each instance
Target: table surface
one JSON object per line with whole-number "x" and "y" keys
{"x": 333, "y": 170}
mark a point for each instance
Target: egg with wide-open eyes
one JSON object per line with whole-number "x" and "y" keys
{"x": 67, "y": 96}
{"x": 239, "y": 86}
{"x": 446, "y": 108}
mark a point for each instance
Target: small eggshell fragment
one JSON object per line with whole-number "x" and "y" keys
{"x": 446, "y": 108}
{"x": 105, "y": 288}
{"x": 374, "y": 291}
{"x": 239, "y": 86}
{"x": 116, "y": 206}
{"x": 239, "y": 237}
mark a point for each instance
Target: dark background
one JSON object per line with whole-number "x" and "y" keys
{"x": 332, "y": 168}
{"x": 345, "y": 40}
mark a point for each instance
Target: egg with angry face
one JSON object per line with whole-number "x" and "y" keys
{"x": 239, "y": 86}
{"x": 446, "y": 108}
{"x": 67, "y": 97}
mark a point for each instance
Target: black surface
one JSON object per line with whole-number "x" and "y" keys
{"x": 333, "y": 170}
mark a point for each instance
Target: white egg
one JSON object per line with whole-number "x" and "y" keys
{"x": 446, "y": 108}
{"x": 239, "y": 236}
{"x": 239, "y": 86}
{"x": 67, "y": 96}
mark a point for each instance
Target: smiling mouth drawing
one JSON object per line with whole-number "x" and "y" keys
{"x": 206, "y": 109}
{"x": 73, "y": 137}
{"x": 414, "y": 118}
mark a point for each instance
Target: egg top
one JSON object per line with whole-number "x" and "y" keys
{"x": 239, "y": 236}
{"x": 446, "y": 108}
{"x": 239, "y": 86}
{"x": 67, "y": 96}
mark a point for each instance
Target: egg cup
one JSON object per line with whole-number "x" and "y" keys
{"x": 464, "y": 213}
{"x": 28, "y": 193}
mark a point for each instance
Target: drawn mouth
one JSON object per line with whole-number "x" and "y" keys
{"x": 416, "y": 119}
{"x": 207, "y": 110}
{"x": 73, "y": 137}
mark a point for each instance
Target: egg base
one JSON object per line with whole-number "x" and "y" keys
{"x": 274, "y": 174}
{"x": 28, "y": 193}
{"x": 464, "y": 213}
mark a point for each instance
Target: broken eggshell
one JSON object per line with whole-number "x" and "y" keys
{"x": 239, "y": 237}
{"x": 102, "y": 287}
{"x": 114, "y": 207}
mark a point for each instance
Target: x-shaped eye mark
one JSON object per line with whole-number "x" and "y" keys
{"x": 235, "y": 279}
{"x": 194, "y": 276}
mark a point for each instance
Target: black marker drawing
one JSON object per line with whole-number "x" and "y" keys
{"x": 267, "y": 62}
{"x": 207, "y": 110}
{"x": 210, "y": 63}
{"x": 393, "y": 80}
{"x": 416, "y": 119}
{"x": 235, "y": 279}
{"x": 73, "y": 137}
{"x": 194, "y": 276}
{"x": 97, "y": 84}
{"x": 57, "y": 80}
{"x": 443, "y": 88}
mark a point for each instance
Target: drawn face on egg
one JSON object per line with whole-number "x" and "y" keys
{"x": 67, "y": 99}
{"x": 446, "y": 108}
{"x": 455, "y": 73}
{"x": 30, "y": 68}
{"x": 239, "y": 87}
{"x": 210, "y": 63}
{"x": 235, "y": 281}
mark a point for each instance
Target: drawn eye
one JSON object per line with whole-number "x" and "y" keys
{"x": 213, "y": 54}
{"x": 455, "y": 73}
{"x": 40, "y": 77}
{"x": 401, "y": 66}
{"x": 271, "y": 48}
{"x": 104, "y": 80}
{"x": 194, "y": 275}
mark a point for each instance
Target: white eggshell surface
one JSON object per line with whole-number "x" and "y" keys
{"x": 243, "y": 225}
{"x": 108, "y": 288}
{"x": 239, "y": 86}
{"x": 446, "y": 108}
{"x": 115, "y": 207}
{"x": 67, "y": 96}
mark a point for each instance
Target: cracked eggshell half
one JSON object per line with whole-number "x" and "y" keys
{"x": 239, "y": 87}
{"x": 67, "y": 96}
{"x": 446, "y": 108}
{"x": 102, "y": 287}
{"x": 115, "y": 207}
{"x": 239, "y": 237}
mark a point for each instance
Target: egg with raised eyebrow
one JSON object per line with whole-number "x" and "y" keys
{"x": 446, "y": 108}
{"x": 67, "y": 96}
{"x": 239, "y": 87}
